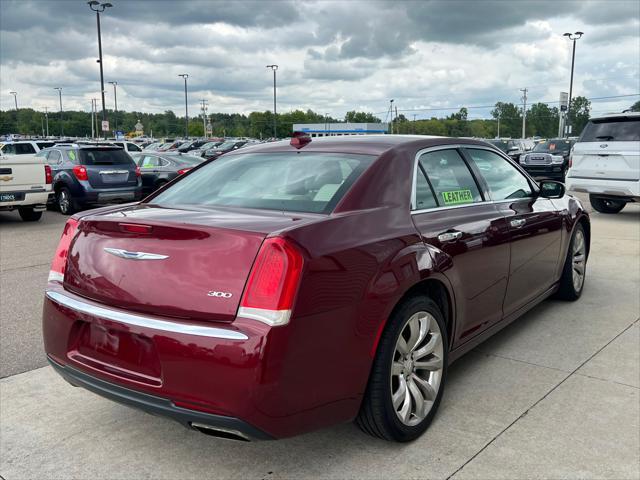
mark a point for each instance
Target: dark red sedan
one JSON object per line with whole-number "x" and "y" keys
{"x": 294, "y": 285}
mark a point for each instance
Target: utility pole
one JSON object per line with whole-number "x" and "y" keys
{"x": 186, "y": 108}
{"x": 524, "y": 111}
{"x": 46, "y": 117}
{"x": 61, "y": 125}
{"x": 414, "y": 123}
{"x": 396, "y": 119}
{"x": 115, "y": 101}
{"x": 92, "y": 120}
{"x": 274, "y": 67}
{"x": 15, "y": 98}
{"x": 391, "y": 114}
{"x": 204, "y": 102}
{"x": 498, "y": 125}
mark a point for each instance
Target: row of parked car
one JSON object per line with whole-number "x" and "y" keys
{"x": 604, "y": 162}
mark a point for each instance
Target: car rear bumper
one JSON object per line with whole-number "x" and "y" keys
{"x": 23, "y": 198}
{"x": 225, "y": 426}
{"x": 114, "y": 195}
{"x": 243, "y": 376}
{"x": 627, "y": 189}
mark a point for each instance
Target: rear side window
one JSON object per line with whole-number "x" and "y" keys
{"x": 450, "y": 177}
{"x": 296, "y": 182}
{"x": 104, "y": 157}
{"x": 54, "y": 157}
{"x": 612, "y": 130}
{"x": 424, "y": 195}
{"x": 133, "y": 147}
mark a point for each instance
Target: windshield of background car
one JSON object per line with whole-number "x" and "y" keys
{"x": 89, "y": 156}
{"x": 295, "y": 182}
{"x": 612, "y": 130}
{"x": 189, "y": 160}
{"x": 501, "y": 144}
{"x": 552, "y": 146}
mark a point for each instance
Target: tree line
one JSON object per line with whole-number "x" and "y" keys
{"x": 542, "y": 120}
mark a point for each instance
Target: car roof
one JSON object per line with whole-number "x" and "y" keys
{"x": 360, "y": 144}
{"x": 617, "y": 115}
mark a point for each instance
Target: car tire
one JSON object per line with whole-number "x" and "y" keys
{"x": 383, "y": 412}
{"x": 605, "y": 205}
{"x": 28, "y": 214}
{"x": 65, "y": 202}
{"x": 575, "y": 266}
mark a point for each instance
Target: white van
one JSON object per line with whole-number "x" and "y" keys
{"x": 605, "y": 162}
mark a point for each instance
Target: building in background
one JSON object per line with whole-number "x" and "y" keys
{"x": 339, "y": 129}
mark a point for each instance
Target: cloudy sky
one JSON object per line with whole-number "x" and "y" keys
{"x": 332, "y": 56}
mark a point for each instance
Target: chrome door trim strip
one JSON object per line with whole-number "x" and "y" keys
{"x": 142, "y": 320}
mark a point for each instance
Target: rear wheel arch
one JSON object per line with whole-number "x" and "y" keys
{"x": 436, "y": 290}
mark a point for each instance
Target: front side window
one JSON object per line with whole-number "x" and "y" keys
{"x": 503, "y": 179}
{"x": 296, "y": 182}
{"x": 450, "y": 178}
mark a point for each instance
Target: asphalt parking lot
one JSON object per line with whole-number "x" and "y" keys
{"x": 554, "y": 395}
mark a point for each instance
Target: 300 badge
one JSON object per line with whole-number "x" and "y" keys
{"x": 220, "y": 294}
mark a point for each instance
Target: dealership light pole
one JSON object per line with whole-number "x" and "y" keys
{"x": 186, "y": 108}
{"x": 99, "y": 8}
{"x": 115, "y": 102}
{"x": 274, "y": 68}
{"x": 60, "y": 94}
{"x": 46, "y": 119}
{"x": 573, "y": 37}
{"x": 15, "y": 98}
{"x": 524, "y": 111}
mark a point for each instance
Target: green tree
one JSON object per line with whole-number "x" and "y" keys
{"x": 360, "y": 117}
{"x": 579, "y": 111}
{"x": 635, "y": 107}
{"x": 510, "y": 117}
{"x": 542, "y": 120}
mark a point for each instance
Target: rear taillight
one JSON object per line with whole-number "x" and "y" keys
{"x": 273, "y": 283}
{"x": 59, "y": 263}
{"x": 80, "y": 172}
{"x": 47, "y": 175}
{"x": 138, "y": 172}
{"x": 570, "y": 161}
{"x": 183, "y": 170}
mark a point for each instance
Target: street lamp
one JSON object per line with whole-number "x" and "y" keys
{"x": 573, "y": 37}
{"x": 274, "y": 68}
{"x": 99, "y": 8}
{"x": 186, "y": 109}
{"x": 115, "y": 101}
{"x": 15, "y": 98}
{"x": 60, "y": 94}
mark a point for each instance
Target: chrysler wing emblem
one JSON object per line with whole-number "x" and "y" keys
{"x": 118, "y": 252}
{"x": 6, "y": 178}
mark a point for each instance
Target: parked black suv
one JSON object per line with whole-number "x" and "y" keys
{"x": 91, "y": 175}
{"x": 548, "y": 159}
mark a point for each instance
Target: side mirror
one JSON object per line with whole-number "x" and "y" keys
{"x": 552, "y": 189}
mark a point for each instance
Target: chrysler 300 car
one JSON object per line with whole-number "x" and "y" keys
{"x": 294, "y": 285}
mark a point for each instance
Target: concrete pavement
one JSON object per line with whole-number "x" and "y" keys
{"x": 554, "y": 395}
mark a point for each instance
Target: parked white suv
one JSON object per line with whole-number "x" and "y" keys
{"x": 605, "y": 162}
{"x": 25, "y": 185}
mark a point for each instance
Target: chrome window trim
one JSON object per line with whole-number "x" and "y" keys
{"x": 456, "y": 146}
{"x": 142, "y": 320}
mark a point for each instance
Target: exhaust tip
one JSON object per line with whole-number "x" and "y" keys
{"x": 220, "y": 432}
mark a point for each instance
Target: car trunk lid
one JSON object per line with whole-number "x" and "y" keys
{"x": 606, "y": 160}
{"x": 175, "y": 262}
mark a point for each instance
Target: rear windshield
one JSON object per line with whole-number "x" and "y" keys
{"x": 104, "y": 156}
{"x": 612, "y": 130}
{"x": 295, "y": 182}
{"x": 551, "y": 146}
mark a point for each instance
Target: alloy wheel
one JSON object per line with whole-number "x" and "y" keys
{"x": 416, "y": 371}
{"x": 578, "y": 260}
{"x": 63, "y": 201}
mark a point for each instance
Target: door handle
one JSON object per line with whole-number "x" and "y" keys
{"x": 518, "y": 222}
{"x": 449, "y": 236}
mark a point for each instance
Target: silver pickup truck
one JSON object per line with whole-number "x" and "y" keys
{"x": 25, "y": 185}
